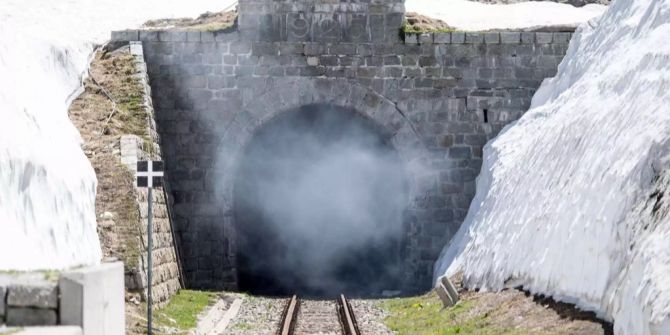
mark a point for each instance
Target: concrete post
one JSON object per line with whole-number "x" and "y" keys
{"x": 94, "y": 299}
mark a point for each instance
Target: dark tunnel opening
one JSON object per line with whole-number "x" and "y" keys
{"x": 319, "y": 197}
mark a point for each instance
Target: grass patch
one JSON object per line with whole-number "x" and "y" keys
{"x": 211, "y": 27}
{"x": 424, "y": 315}
{"x": 408, "y": 28}
{"x": 219, "y": 21}
{"x": 132, "y": 115}
{"x": 180, "y": 315}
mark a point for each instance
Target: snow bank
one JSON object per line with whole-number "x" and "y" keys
{"x": 471, "y": 15}
{"x": 47, "y": 186}
{"x": 554, "y": 209}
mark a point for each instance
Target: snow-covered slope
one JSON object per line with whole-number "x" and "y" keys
{"x": 470, "y": 15}
{"x": 47, "y": 186}
{"x": 554, "y": 209}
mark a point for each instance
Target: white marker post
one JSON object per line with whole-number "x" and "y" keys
{"x": 150, "y": 175}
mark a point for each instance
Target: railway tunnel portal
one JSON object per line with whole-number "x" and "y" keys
{"x": 429, "y": 102}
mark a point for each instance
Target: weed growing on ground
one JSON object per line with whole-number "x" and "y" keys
{"x": 180, "y": 315}
{"x": 425, "y": 315}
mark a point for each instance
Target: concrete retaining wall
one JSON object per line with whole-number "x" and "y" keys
{"x": 30, "y": 302}
{"x": 91, "y": 299}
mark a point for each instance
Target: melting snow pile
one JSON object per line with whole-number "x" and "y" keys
{"x": 471, "y": 15}
{"x": 47, "y": 186}
{"x": 572, "y": 201}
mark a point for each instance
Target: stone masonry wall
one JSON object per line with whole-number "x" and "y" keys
{"x": 81, "y": 300}
{"x": 28, "y": 300}
{"x": 442, "y": 96}
{"x": 165, "y": 266}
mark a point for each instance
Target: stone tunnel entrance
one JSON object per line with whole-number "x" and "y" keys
{"x": 318, "y": 203}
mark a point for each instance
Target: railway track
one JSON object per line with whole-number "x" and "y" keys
{"x": 322, "y": 317}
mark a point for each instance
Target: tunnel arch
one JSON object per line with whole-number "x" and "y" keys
{"x": 286, "y": 95}
{"x": 318, "y": 201}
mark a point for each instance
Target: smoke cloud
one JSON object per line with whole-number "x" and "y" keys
{"x": 319, "y": 198}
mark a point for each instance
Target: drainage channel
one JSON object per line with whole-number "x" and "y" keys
{"x": 311, "y": 317}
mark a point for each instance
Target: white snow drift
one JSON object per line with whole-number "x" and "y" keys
{"x": 471, "y": 15}
{"x": 554, "y": 209}
{"x": 47, "y": 186}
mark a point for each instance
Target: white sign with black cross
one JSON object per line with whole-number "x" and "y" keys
{"x": 149, "y": 174}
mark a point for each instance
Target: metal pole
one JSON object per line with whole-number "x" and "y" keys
{"x": 149, "y": 265}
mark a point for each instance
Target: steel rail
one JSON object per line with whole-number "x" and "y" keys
{"x": 289, "y": 316}
{"x": 347, "y": 317}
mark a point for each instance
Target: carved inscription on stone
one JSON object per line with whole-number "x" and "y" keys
{"x": 318, "y": 27}
{"x": 324, "y": 21}
{"x": 356, "y": 29}
{"x": 298, "y": 26}
{"x": 326, "y": 28}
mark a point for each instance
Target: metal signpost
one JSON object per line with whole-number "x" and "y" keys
{"x": 149, "y": 175}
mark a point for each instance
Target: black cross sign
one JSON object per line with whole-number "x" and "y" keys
{"x": 149, "y": 174}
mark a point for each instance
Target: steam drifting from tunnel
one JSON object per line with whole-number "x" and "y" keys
{"x": 319, "y": 198}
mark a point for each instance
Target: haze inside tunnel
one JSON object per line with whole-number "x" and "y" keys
{"x": 319, "y": 198}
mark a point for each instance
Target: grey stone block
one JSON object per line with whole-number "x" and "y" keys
{"x": 207, "y": 36}
{"x": 93, "y": 298}
{"x": 441, "y": 38}
{"x": 193, "y": 36}
{"x": 459, "y": 152}
{"x": 125, "y": 35}
{"x": 148, "y": 35}
{"x": 474, "y": 38}
{"x": 510, "y": 37}
{"x": 563, "y": 38}
{"x": 527, "y": 38}
{"x": 492, "y": 38}
{"x": 39, "y": 295}
{"x": 544, "y": 38}
{"x": 342, "y": 49}
{"x": 313, "y": 61}
{"x": 27, "y": 316}
{"x": 412, "y": 39}
{"x": 457, "y": 37}
{"x": 172, "y": 36}
{"x": 426, "y": 38}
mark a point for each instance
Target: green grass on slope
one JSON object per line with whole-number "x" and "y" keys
{"x": 424, "y": 315}
{"x": 410, "y": 29}
{"x": 181, "y": 314}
